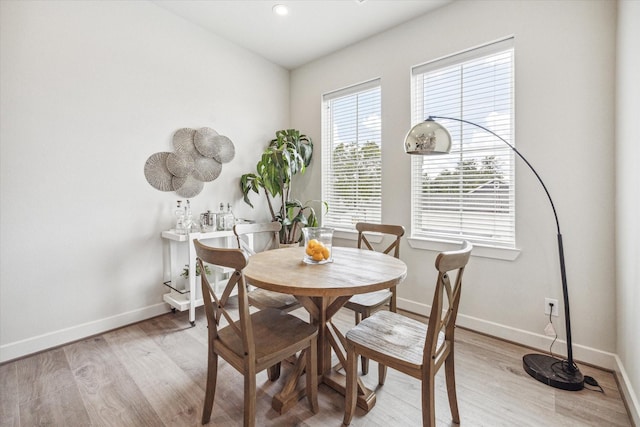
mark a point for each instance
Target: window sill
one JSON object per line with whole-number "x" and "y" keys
{"x": 478, "y": 250}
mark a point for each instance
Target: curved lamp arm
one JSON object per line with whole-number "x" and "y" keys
{"x": 428, "y": 138}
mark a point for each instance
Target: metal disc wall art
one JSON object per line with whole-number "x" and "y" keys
{"x": 223, "y": 150}
{"x": 157, "y": 173}
{"x": 206, "y": 169}
{"x": 180, "y": 164}
{"x": 204, "y": 141}
{"x": 187, "y": 187}
{"x": 197, "y": 158}
{"x": 183, "y": 141}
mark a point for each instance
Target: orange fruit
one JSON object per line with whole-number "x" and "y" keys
{"x": 317, "y": 256}
{"x": 325, "y": 252}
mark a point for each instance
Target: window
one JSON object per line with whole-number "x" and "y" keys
{"x": 351, "y": 155}
{"x": 469, "y": 193}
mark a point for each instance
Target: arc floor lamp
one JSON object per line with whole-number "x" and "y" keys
{"x": 429, "y": 138}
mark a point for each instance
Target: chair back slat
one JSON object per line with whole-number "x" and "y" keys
{"x": 396, "y": 231}
{"x": 393, "y": 230}
{"x": 270, "y": 230}
{"x": 442, "y": 318}
{"x": 259, "y": 237}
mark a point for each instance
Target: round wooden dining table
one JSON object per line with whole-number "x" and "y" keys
{"x": 323, "y": 289}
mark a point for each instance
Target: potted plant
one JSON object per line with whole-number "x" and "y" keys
{"x": 184, "y": 279}
{"x": 288, "y": 154}
{"x": 185, "y": 271}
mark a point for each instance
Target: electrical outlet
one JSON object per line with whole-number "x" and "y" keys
{"x": 547, "y": 306}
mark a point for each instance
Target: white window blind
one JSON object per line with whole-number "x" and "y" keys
{"x": 351, "y": 155}
{"x": 469, "y": 193}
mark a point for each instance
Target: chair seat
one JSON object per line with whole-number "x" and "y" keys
{"x": 393, "y": 335}
{"x": 261, "y": 298}
{"x": 274, "y": 332}
{"x": 369, "y": 301}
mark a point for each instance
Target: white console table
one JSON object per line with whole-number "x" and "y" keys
{"x": 187, "y": 299}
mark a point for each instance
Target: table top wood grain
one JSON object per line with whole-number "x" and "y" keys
{"x": 353, "y": 271}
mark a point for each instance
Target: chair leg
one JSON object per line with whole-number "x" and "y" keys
{"x": 250, "y": 396}
{"x": 428, "y": 401}
{"x": 351, "y": 387}
{"x": 363, "y": 360}
{"x": 311, "y": 369}
{"x": 274, "y": 372}
{"x": 382, "y": 373}
{"x": 451, "y": 387}
{"x": 212, "y": 376}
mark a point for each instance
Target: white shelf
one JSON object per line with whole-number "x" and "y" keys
{"x": 177, "y": 301}
{"x": 173, "y": 235}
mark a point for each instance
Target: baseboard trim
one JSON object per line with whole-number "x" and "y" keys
{"x": 49, "y": 340}
{"x": 540, "y": 342}
{"x": 630, "y": 397}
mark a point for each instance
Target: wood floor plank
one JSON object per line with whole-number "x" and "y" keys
{"x": 43, "y": 373}
{"x": 61, "y": 408}
{"x": 47, "y": 392}
{"x": 185, "y": 351}
{"x": 106, "y": 388}
{"x": 190, "y": 355}
{"x": 168, "y": 388}
{"x": 9, "y": 407}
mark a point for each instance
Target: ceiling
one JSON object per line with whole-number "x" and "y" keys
{"x": 312, "y": 29}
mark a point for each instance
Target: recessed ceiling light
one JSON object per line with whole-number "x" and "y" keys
{"x": 280, "y": 10}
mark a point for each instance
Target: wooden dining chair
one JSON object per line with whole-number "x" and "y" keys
{"x": 365, "y": 304}
{"x": 410, "y": 346}
{"x": 262, "y": 298}
{"x": 254, "y": 342}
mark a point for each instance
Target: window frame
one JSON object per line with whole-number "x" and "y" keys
{"x": 444, "y": 241}
{"x": 330, "y": 141}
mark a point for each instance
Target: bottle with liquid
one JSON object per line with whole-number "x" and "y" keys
{"x": 220, "y": 218}
{"x": 188, "y": 217}
{"x": 179, "y": 213}
{"x": 229, "y": 218}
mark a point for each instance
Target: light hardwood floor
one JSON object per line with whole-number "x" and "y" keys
{"x": 153, "y": 374}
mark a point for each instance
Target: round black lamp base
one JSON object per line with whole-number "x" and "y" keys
{"x": 553, "y": 372}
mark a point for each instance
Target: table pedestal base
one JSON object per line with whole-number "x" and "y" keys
{"x": 288, "y": 398}
{"x": 292, "y": 390}
{"x": 337, "y": 381}
{"x": 282, "y": 402}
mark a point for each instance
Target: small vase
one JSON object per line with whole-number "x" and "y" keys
{"x": 318, "y": 243}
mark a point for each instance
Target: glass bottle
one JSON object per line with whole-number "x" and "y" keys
{"x": 220, "y": 218}
{"x": 188, "y": 217}
{"x": 229, "y": 218}
{"x": 179, "y": 213}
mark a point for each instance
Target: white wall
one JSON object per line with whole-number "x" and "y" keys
{"x": 565, "y": 53}
{"x": 628, "y": 200}
{"x": 89, "y": 91}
